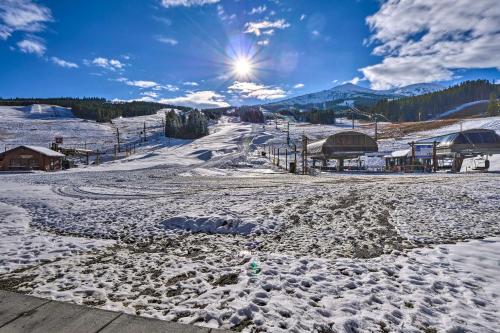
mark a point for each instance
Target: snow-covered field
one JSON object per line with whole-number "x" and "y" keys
{"x": 207, "y": 232}
{"x": 38, "y": 125}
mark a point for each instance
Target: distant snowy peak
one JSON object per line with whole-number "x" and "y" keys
{"x": 416, "y": 89}
{"x": 351, "y": 91}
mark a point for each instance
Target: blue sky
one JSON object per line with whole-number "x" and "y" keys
{"x": 185, "y": 51}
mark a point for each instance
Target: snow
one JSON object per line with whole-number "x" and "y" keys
{"x": 416, "y": 89}
{"x": 401, "y": 153}
{"x": 45, "y": 151}
{"x": 460, "y": 108}
{"x": 349, "y": 92}
{"x": 207, "y": 232}
{"x": 23, "y": 245}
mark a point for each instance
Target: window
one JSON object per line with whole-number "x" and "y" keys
{"x": 460, "y": 139}
{"x": 489, "y": 137}
{"x": 475, "y": 138}
{"x": 34, "y": 163}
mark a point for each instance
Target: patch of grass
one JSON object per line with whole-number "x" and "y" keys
{"x": 231, "y": 278}
{"x": 14, "y": 283}
{"x": 383, "y": 327}
{"x": 242, "y": 325}
{"x": 409, "y": 304}
{"x": 402, "y": 129}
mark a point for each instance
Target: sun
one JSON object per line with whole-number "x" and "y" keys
{"x": 242, "y": 67}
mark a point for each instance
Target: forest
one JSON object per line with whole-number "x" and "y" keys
{"x": 314, "y": 116}
{"x": 186, "y": 125}
{"x": 95, "y": 108}
{"x": 428, "y": 106}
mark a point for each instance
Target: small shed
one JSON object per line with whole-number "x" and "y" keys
{"x": 30, "y": 158}
{"x": 398, "y": 160}
{"x": 342, "y": 145}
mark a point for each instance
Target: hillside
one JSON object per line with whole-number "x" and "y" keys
{"x": 94, "y": 108}
{"x": 437, "y": 104}
{"x": 348, "y": 94}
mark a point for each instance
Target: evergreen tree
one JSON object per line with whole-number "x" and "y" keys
{"x": 493, "y": 109}
{"x": 430, "y": 105}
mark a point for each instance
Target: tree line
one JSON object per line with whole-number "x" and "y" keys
{"x": 428, "y": 106}
{"x": 95, "y": 108}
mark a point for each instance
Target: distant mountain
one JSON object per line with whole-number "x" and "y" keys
{"x": 348, "y": 94}
{"x": 416, "y": 89}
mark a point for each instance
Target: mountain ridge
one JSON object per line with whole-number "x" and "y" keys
{"x": 348, "y": 93}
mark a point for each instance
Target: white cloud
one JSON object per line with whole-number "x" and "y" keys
{"x": 257, "y": 91}
{"x": 258, "y": 10}
{"x": 354, "y": 80}
{"x": 150, "y": 94}
{"x": 497, "y": 82}
{"x": 164, "y": 20}
{"x": 265, "y": 27}
{"x": 142, "y": 84}
{"x": 263, "y": 42}
{"x": 303, "y": 17}
{"x": 426, "y": 40}
{"x": 167, "y": 40}
{"x": 110, "y": 64}
{"x": 63, "y": 63}
{"x": 145, "y": 84}
{"x": 299, "y": 86}
{"x": 187, "y": 3}
{"x": 168, "y": 87}
{"x": 222, "y": 14}
{"x": 22, "y": 15}
{"x": 190, "y": 83}
{"x": 199, "y": 99}
{"x": 32, "y": 45}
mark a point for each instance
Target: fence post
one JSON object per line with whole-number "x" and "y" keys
{"x": 286, "y": 159}
{"x": 295, "y": 157}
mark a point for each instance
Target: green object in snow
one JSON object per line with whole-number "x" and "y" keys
{"x": 255, "y": 267}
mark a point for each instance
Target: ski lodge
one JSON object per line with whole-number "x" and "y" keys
{"x": 25, "y": 158}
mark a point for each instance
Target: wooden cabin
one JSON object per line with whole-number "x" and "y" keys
{"x": 24, "y": 158}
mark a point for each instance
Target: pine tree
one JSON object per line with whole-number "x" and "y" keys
{"x": 493, "y": 106}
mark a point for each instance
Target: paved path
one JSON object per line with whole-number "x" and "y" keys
{"x": 22, "y": 313}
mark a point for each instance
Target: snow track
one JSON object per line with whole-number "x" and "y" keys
{"x": 197, "y": 232}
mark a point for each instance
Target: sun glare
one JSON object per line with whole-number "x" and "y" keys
{"x": 242, "y": 67}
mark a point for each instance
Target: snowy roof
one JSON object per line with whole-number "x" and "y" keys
{"x": 45, "y": 151}
{"x": 401, "y": 153}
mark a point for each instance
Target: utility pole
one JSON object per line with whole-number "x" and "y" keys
{"x": 165, "y": 128}
{"x": 286, "y": 159}
{"x": 304, "y": 154}
{"x": 352, "y": 118}
{"x": 376, "y": 128}
{"x": 276, "y": 120}
{"x": 288, "y": 134}
{"x": 144, "y": 131}
{"x": 295, "y": 157}
{"x": 118, "y": 138}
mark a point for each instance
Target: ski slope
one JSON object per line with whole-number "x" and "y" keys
{"x": 207, "y": 232}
